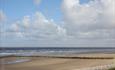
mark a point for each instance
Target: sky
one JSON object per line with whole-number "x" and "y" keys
{"x": 57, "y": 23}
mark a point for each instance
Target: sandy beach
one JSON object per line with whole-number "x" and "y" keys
{"x": 47, "y": 63}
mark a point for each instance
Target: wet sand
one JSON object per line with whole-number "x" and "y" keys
{"x": 47, "y": 63}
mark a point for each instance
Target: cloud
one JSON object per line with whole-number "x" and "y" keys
{"x": 15, "y": 27}
{"x": 93, "y": 17}
{"x": 35, "y": 31}
{"x": 26, "y": 21}
{"x": 2, "y": 16}
{"x": 37, "y": 27}
{"x": 44, "y": 25}
{"x": 37, "y": 2}
{"x": 89, "y": 24}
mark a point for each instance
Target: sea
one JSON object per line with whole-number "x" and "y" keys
{"x": 34, "y": 51}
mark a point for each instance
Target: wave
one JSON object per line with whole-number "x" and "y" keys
{"x": 16, "y": 61}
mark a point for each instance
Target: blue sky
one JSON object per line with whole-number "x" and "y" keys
{"x": 16, "y": 9}
{"x": 26, "y": 23}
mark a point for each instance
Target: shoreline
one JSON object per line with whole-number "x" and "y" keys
{"x": 69, "y": 56}
{"x": 56, "y": 63}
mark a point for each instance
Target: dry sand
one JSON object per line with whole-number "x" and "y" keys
{"x": 44, "y": 63}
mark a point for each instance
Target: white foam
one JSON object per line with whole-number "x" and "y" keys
{"x": 16, "y": 61}
{"x": 5, "y": 54}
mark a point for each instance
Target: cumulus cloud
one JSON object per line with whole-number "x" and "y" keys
{"x": 37, "y": 27}
{"x": 93, "y": 18}
{"x": 45, "y": 26}
{"x": 38, "y": 31}
{"x": 89, "y": 24}
{"x": 2, "y": 16}
{"x": 26, "y": 21}
{"x": 15, "y": 27}
{"x": 37, "y": 2}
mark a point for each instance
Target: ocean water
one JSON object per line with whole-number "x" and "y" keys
{"x": 30, "y": 51}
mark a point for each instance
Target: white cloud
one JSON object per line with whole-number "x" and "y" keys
{"x": 89, "y": 17}
{"x": 41, "y": 23}
{"x": 37, "y": 2}
{"x": 39, "y": 27}
{"x": 90, "y": 24}
{"x": 2, "y": 16}
{"x": 26, "y": 21}
{"x": 15, "y": 27}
